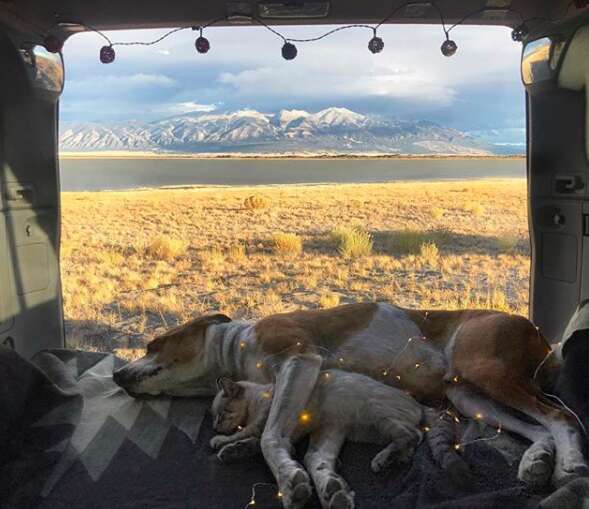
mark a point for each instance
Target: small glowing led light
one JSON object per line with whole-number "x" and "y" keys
{"x": 398, "y": 377}
{"x": 417, "y": 365}
{"x": 341, "y": 359}
{"x": 499, "y": 429}
{"x": 252, "y": 502}
{"x": 239, "y": 428}
{"x": 456, "y": 419}
{"x": 426, "y": 428}
{"x": 456, "y": 379}
{"x": 457, "y": 447}
{"x": 326, "y": 375}
{"x": 385, "y": 373}
{"x": 478, "y": 416}
{"x": 305, "y": 417}
{"x": 298, "y": 343}
{"x": 279, "y": 494}
{"x": 409, "y": 340}
{"x": 259, "y": 365}
{"x": 242, "y": 344}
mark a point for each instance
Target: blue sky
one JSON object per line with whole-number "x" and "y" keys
{"x": 477, "y": 89}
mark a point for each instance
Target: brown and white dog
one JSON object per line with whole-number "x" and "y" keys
{"x": 486, "y": 363}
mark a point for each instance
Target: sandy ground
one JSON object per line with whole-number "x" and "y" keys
{"x": 136, "y": 262}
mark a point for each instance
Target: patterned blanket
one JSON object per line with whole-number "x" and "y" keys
{"x": 69, "y": 437}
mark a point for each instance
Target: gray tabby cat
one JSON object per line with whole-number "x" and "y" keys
{"x": 343, "y": 406}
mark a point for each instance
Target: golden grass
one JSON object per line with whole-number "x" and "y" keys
{"x": 164, "y": 248}
{"x": 352, "y": 242}
{"x": 287, "y": 244}
{"x": 137, "y": 262}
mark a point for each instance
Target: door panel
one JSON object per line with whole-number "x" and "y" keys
{"x": 30, "y": 296}
{"x": 558, "y": 183}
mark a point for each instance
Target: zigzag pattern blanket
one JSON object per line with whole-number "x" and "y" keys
{"x": 69, "y": 437}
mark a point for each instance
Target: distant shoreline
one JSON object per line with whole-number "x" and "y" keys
{"x": 241, "y": 156}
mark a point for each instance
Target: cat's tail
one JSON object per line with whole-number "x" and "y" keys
{"x": 442, "y": 437}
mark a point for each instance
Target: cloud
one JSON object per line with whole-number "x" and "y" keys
{"x": 184, "y": 107}
{"x": 244, "y": 68}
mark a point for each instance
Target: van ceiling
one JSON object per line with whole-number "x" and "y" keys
{"x": 40, "y": 17}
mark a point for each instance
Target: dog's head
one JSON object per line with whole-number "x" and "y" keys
{"x": 174, "y": 364}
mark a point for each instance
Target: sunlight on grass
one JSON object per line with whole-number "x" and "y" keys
{"x": 164, "y": 248}
{"x": 287, "y": 244}
{"x": 352, "y": 242}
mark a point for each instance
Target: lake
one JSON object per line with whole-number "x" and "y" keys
{"x": 109, "y": 174}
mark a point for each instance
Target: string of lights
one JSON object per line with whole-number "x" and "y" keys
{"x": 289, "y": 51}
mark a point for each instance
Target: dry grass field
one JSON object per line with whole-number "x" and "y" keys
{"x": 136, "y": 262}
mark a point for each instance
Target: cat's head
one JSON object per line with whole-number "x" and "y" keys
{"x": 230, "y": 406}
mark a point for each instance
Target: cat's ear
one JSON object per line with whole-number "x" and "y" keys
{"x": 229, "y": 387}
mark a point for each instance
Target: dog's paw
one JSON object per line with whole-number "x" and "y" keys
{"x": 219, "y": 441}
{"x": 336, "y": 494}
{"x": 537, "y": 464}
{"x": 296, "y": 489}
{"x": 570, "y": 468}
{"x": 239, "y": 450}
{"x": 342, "y": 500}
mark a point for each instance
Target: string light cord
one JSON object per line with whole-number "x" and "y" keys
{"x": 253, "y": 497}
{"x": 554, "y": 396}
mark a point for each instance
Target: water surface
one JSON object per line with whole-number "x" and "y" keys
{"x": 102, "y": 174}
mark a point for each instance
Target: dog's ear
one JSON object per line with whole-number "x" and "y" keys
{"x": 229, "y": 387}
{"x": 216, "y": 318}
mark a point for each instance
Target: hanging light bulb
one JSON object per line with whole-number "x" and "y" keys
{"x": 53, "y": 44}
{"x": 449, "y": 47}
{"x": 376, "y": 44}
{"x": 107, "y": 54}
{"x": 202, "y": 44}
{"x": 520, "y": 33}
{"x": 289, "y": 51}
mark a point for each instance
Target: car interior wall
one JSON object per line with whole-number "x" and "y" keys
{"x": 30, "y": 299}
{"x": 559, "y": 206}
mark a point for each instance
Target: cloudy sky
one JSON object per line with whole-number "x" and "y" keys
{"x": 477, "y": 89}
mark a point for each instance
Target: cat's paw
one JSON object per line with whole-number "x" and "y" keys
{"x": 219, "y": 441}
{"x": 239, "y": 450}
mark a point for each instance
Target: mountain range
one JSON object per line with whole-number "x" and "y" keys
{"x": 331, "y": 130}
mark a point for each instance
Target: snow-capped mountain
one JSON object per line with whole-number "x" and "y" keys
{"x": 338, "y": 130}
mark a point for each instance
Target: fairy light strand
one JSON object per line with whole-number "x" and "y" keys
{"x": 289, "y": 50}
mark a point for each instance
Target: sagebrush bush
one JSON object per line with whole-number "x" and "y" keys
{"x": 237, "y": 253}
{"x": 328, "y": 300}
{"x": 352, "y": 242}
{"x": 474, "y": 208}
{"x": 287, "y": 244}
{"x": 256, "y": 201}
{"x": 165, "y": 248}
{"x": 429, "y": 253}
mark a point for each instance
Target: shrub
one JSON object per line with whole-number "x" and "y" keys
{"x": 237, "y": 253}
{"x": 429, "y": 253}
{"x": 256, "y": 201}
{"x": 437, "y": 213}
{"x": 352, "y": 242}
{"x": 476, "y": 209}
{"x": 406, "y": 241}
{"x": 328, "y": 300}
{"x": 164, "y": 248}
{"x": 287, "y": 244}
